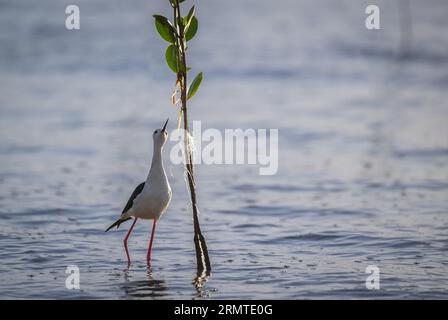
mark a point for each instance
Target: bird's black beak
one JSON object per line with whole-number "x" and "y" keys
{"x": 163, "y": 129}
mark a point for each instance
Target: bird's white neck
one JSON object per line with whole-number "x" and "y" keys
{"x": 157, "y": 168}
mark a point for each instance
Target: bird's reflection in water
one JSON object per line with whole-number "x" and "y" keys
{"x": 148, "y": 288}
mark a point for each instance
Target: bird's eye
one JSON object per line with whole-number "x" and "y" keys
{"x": 155, "y": 132}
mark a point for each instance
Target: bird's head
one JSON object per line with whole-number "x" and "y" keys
{"x": 160, "y": 135}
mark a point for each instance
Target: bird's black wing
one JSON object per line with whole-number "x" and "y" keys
{"x": 128, "y": 206}
{"x": 136, "y": 192}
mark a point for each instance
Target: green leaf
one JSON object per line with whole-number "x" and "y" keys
{"x": 190, "y": 13}
{"x": 192, "y": 29}
{"x": 187, "y": 19}
{"x": 172, "y": 57}
{"x": 194, "y": 86}
{"x": 165, "y": 28}
{"x": 173, "y": 2}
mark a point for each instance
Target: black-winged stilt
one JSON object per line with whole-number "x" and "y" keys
{"x": 151, "y": 198}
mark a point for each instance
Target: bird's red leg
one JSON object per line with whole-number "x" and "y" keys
{"x": 125, "y": 241}
{"x": 148, "y": 258}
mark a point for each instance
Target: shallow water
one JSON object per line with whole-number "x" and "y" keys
{"x": 363, "y": 150}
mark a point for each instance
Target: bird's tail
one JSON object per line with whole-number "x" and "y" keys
{"x": 118, "y": 222}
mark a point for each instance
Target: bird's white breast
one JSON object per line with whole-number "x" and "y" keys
{"x": 152, "y": 201}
